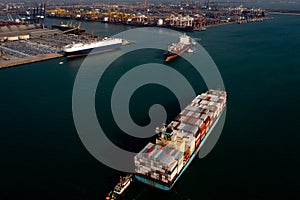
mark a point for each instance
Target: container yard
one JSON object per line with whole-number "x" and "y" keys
{"x": 21, "y": 44}
{"x": 23, "y": 35}
{"x": 21, "y": 47}
{"x": 24, "y": 43}
{"x": 185, "y": 16}
{"x": 178, "y": 16}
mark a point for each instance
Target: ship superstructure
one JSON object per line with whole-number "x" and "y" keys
{"x": 161, "y": 164}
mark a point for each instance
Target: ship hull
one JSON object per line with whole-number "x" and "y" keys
{"x": 96, "y": 50}
{"x": 165, "y": 186}
{"x": 66, "y": 28}
{"x": 183, "y": 28}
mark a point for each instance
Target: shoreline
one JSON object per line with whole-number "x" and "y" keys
{"x": 229, "y": 23}
{"x": 14, "y": 61}
{"x": 284, "y": 13}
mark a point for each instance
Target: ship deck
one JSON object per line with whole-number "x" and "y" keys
{"x": 164, "y": 187}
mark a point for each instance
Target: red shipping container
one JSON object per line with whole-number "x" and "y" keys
{"x": 150, "y": 150}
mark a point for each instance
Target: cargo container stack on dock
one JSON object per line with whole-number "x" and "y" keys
{"x": 160, "y": 165}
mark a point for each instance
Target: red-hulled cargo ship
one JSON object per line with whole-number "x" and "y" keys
{"x": 175, "y": 49}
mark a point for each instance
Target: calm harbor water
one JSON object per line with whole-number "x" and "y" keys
{"x": 256, "y": 157}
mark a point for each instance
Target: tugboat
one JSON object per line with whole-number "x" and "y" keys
{"x": 120, "y": 187}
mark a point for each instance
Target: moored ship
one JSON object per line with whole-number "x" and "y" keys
{"x": 75, "y": 29}
{"x": 92, "y": 47}
{"x": 160, "y": 165}
{"x": 182, "y": 28}
{"x": 175, "y": 49}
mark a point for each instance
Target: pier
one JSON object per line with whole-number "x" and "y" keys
{"x": 25, "y": 41}
{"x": 28, "y": 46}
{"x": 11, "y": 61}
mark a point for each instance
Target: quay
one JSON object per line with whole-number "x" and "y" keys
{"x": 11, "y": 61}
{"x": 185, "y": 17}
{"x": 26, "y": 39}
{"x": 27, "y": 43}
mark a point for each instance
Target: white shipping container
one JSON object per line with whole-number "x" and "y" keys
{"x": 215, "y": 99}
{"x": 161, "y": 170}
{"x": 204, "y": 102}
{"x": 195, "y": 100}
{"x": 173, "y": 175}
{"x": 180, "y": 166}
{"x": 210, "y": 114}
{"x": 192, "y": 147}
{"x": 174, "y": 164}
{"x": 203, "y": 96}
{"x": 219, "y": 105}
{"x": 191, "y": 108}
{"x": 193, "y": 104}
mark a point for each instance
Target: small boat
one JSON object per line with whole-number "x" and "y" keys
{"x": 120, "y": 187}
{"x": 190, "y": 50}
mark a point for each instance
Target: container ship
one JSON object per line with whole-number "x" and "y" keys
{"x": 160, "y": 165}
{"x": 175, "y": 49}
{"x": 93, "y": 47}
{"x": 182, "y": 28}
{"x": 120, "y": 187}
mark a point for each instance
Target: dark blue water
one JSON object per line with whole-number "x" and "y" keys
{"x": 257, "y": 156}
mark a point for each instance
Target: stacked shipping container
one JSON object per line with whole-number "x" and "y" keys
{"x": 159, "y": 162}
{"x": 198, "y": 115}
